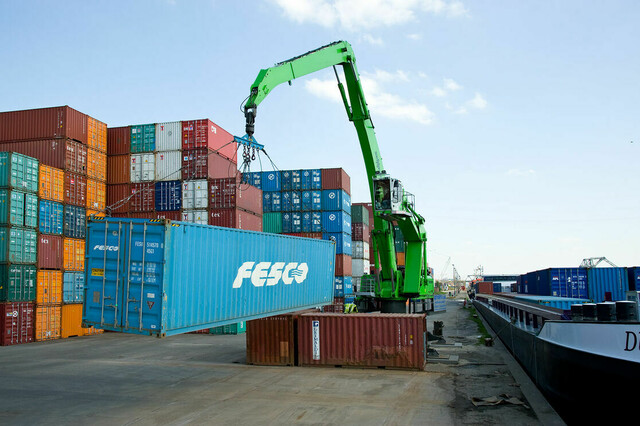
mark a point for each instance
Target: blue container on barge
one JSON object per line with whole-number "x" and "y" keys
{"x": 158, "y": 277}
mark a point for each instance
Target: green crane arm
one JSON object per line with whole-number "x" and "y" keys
{"x": 392, "y": 284}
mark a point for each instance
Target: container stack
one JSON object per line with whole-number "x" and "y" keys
{"x": 361, "y": 243}
{"x": 310, "y": 203}
{"x": 372, "y": 264}
{"x": 180, "y": 170}
{"x": 70, "y": 184}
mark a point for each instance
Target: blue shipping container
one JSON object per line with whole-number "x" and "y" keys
{"x": 286, "y": 201}
{"x": 287, "y": 180}
{"x": 336, "y": 199}
{"x": 343, "y": 241}
{"x": 311, "y": 222}
{"x": 336, "y": 221}
{"x": 634, "y": 278}
{"x": 75, "y": 221}
{"x": 166, "y": 278}
{"x": 168, "y": 196}
{"x": 266, "y": 202}
{"x": 497, "y": 287}
{"x": 605, "y": 282}
{"x": 343, "y": 286}
{"x": 311, "y": 200}
{"x": 563, "y": 303}
{"x": 291, "y": 222}
{"x": 567, "y": 282}
{"x": 51, "y": 217}
{"x": 271, "y": 202}
{"x": 439, "y": 303}
{"x": 310, "y": 179}
{"x": 253, "y": 178}
{"x": 73, "y": 287}
{"x": 271, "y": 181}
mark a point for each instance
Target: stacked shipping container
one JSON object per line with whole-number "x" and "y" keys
{"x": 361, "y": 243}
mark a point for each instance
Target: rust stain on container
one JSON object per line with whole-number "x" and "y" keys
{"x": 50, "y": 251}
{"x": 43, "y": 123}
{"x": 75, "y": 189}
{"x": 49, "y": 287}
{"x": 51, "y": 183}
{"x": 363, "y": 340}
{"x": 272, "y": 340}
{"x": 48, "y": 322}
{"x": 63, "y": 154}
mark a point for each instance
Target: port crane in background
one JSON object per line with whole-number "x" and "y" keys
{"x": 592, "y": 262}
{"x": 396, "y": 289}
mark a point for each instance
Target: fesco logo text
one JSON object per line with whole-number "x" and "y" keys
{"x": 270, "y": 273}
{"x": 102, "y": 247}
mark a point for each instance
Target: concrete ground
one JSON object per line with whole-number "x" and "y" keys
{"x": 115, "y": 379}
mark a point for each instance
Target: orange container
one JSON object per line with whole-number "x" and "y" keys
{"x": 97, "y": 134}
{"x": 96, "y": 165}
{"x": 73, "y": 259}
{"x": 72, "y": 321}
{"x": 400, "y": 258}
{"x": 49, "y": 287}
{"x": 96, "y": 194}
{"x": 48, "y": 322}
{"x": 95, "y": 212}
{"x": 51, "y": 183}
{"x": 92, "y": 330}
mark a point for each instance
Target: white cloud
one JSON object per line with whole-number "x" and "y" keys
{"x": 354, "y": 15}
{"x": 415, "y": 36}
{"x": 386, "y": 76}
{"x": 478, "y": 102}
{"x": 368, "y": 38}
{"x": 520, "y": 172}
{"x": 422, "y": 75}
{"x": 439, "y": 92}
{"x": 448, "y": 86}
{"x": 380, "y": 102}
{"x": 451, "y": 85}
{"x": 461, "y": 110}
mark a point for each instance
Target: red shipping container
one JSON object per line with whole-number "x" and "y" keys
{"x": 235, "y": 218}
{"x": 343, "y": 265}
{"x": 273, "y": 340}
{"x": 293, "y": 234}
{"x": 143, "y": 197}
{"x": 485, "y": 287}
{"x": 17, "y": 323}
{"x": 336, "y": 179}
{"x": 227, "y": 193}
{"x": 363, "y": 340}
{"x": 75, "y": 189}
{"x": 62, "y": 154}
{"x": 118, "y": 140}
{"x": 360, "y": 232}
{"x": 119, "y": 169}
{"x": 314, "y": 235}
{"x": 43, "y": 123}
{"x": 172, "y": 215}
{"x": 203, "y": 163}
{"x": 207, "y": 134}
{"x": 115, "y": 195}
{"x": 50, "y": 252}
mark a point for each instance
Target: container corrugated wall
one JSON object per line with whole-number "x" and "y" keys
{"x": 55, "y": 122}
{"x": 63, "y": 154}
{"x": 168, "y": 165}
{"x": 604, "y": 282}
{"x": 198, "y": 276}
{"x": 17, "y": 323}
{"x": 363, "y": 340}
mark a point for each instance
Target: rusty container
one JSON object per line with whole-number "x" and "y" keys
{"x": 96, "y": 165}
{"x": 207, "y": 134}
{"x": 343, "y": 265}
{"x": 63, "y": 154}
{"x": 485, "y": 287}
{"x": 118, "y": 141}
{"x": 273, "y": 340}
{"x": 117, "y": 197}
{"x": 143, "y": 197}
{"x": 97, "y": 134}
{"x": 96, "y": 194}
{"x": 50, "y": 252}
{"x": 73, "y": 254}
{"x": 48, "y": 322}
{"x": 75, "y": 189}
{"x": 51, "y": 183}
{"x": 43, "y": 123}
{"x": 49, "y": 287}
{"x": 363, "y": 340}
{"x": 71, "y": 321}
{"x": 204, "y": 163}
{"x": 336, "y": 179}
{"x": 119, "y": 169}
{"x": 17, "y": 322}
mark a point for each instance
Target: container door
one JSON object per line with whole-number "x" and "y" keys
{"x": 142, "y": 292}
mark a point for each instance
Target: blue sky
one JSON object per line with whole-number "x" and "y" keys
{"x": 512, "y": 122}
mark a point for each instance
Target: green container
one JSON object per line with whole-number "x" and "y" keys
{"x": 19, "y": 172}
{"x": 398, "y": 239}
{"x": 143, "y": 138}
{"x": 31, "y": 210}
{"x": 17, "y": 283}
{"x": 359, "y": 214}
{"x": 18, "y": 208}
{"x": 272, "y": 222}
{"x": 237, "y": 328}
{"x": 18, "y": 245}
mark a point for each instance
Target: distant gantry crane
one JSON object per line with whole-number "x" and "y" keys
{"x": 592, "y": 262}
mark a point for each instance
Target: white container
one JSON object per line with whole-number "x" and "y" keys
{"x": 195, "y": 194}
{"x": 356, "y": 283}
{"x": 360, "y": 250}
{"x": 169, "y": 137}
{"x": 168, "y": 165}
{"x": 143, "y": 167}
{"x": 359, "y": 267}
{"x": 195, "y": 216}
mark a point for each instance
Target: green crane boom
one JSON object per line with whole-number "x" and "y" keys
{"x": 390, "y": 202}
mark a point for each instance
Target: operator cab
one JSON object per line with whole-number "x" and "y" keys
{"x": 388, "y": 196}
